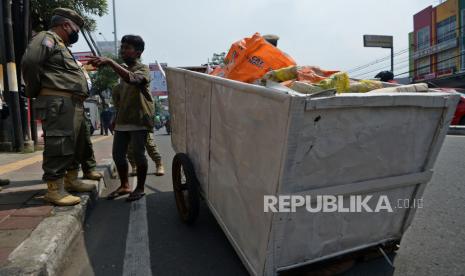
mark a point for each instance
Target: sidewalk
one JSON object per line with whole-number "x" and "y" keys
{"x": 22, "y": 207}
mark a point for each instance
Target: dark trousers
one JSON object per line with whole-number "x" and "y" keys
{"x": 121, "y": 142}
{"x": 107, "y": 127}
{"x": 150, "y": 147}
{"x": 61, "y": 122}
{"x": 84, "y": 150}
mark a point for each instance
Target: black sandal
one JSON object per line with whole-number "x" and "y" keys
{"x": 135, "y": 196}
{"x": 117, "y": 193}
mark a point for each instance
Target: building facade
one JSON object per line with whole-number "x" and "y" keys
{"x": 437, "y": 45}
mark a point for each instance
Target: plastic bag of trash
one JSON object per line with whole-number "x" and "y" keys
{"x": 311, "y": 74}
{"x": 418, "y": 87}
{"x": 251, "y": 58}
{"x": 305, "y": 87}
{"x": 364, "y": 86}
{"x": 338, "y": 81}
{"x": 217, "y": 71}
{"x": 283, "y": 74}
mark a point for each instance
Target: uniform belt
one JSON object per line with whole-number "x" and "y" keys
{"x": 51, "y": 92}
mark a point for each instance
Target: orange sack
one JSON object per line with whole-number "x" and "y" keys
{"x": 251, "y": 58}
{"x": 218, "y": 71}
{"x": 313, "y": 74}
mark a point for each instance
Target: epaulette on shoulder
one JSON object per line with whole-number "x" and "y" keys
{"x": 52, "y": 34}
{"x": 49, "y": 39}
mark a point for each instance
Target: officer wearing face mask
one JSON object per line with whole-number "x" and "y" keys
{"x": 54, "y": 78}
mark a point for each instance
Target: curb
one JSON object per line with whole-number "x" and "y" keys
{"x": 45, "y": 250}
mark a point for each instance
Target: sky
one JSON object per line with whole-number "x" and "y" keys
{"x": 327, "y": 33}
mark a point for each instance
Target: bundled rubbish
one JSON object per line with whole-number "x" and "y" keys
{"x": 310, "y": 79}
{"x": 364, "y": 86}
{"x": 255, "y": 60}
{"x": 251, "y": 58}
{"x": 418, "y": 87}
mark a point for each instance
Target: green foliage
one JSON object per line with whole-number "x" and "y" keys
{"x": 41, "y": 11}
{"x": 217, "y": 59}
{"x": 105, "y": 78}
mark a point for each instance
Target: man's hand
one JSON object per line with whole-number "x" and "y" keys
{"x": 100, "y": 61}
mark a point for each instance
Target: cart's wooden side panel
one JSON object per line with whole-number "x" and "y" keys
{"x": 198, "y": 98}
{"x": 247, "y": 139}
{"x": 279, "y": 220}
{"x": 369, "y": 145}
{"x": 436, "y": 144}
{"x": 177, "y": 104}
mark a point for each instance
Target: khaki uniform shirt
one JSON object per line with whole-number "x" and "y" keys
{"x": 48, "y": 63}
{"x": 133, "y": 101}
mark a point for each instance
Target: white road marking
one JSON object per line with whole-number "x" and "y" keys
{"x": 137, "y": 256}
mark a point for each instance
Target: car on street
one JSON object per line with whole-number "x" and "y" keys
{"x": 459, "y": 116}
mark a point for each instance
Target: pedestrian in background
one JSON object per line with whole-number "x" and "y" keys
{"x": 107, "y": 117}
{"x": 53, "y": 76}
{"x": 134, "y": 116}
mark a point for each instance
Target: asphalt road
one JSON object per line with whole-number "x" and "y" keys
{"x": 433, "y": 245}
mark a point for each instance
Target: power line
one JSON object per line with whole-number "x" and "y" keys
{"x": 429, "y": 65}
{"x": 361, "y": 67}
{"x": 369, "y": 75}
{"x": 416, "y": 69}
{"x": 387, "y": 66}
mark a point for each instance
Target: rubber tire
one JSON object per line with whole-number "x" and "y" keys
{"x": 190, "y": 211}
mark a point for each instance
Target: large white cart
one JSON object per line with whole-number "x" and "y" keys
{"x": 237, "y": 142}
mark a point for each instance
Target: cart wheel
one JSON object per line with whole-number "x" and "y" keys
{"x": 186, "y": 188}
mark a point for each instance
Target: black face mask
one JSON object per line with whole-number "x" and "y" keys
{"x": 129, "y": 60}
{"x": 73, "y": 37}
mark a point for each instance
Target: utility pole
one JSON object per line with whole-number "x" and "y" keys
{"x": 20, "y": 35}
{"x": 5, "y": 144}
{"x": 97, "y": 50}
{"x": 392, "y": 59}
{"x": 114, "y": 29}
{"x": 91, "y": 46}
{"x": 11, "y": 76}
{"x": 27, "y": 31}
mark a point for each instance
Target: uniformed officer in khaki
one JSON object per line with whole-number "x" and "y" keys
{"x": 50, "y": 71}
{"x": 152, "y": 151}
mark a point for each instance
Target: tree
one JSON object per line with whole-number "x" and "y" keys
{"x": 217, "y": 59}
{"x": 41, "y": 11}
{"x": 104, "y": 79}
